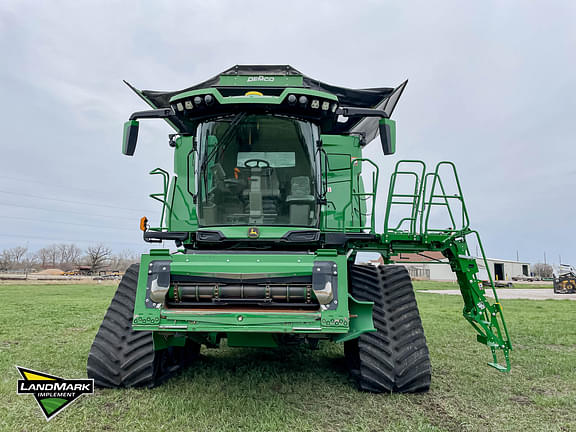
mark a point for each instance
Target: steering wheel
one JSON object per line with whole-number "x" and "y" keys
{"x": 255, "y": 163}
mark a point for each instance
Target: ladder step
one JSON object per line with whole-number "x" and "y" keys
{"x": 498, "y": 367}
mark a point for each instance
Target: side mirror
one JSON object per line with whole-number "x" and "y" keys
{"x": 388, "y": 135}
{"x": 130, "y": 137}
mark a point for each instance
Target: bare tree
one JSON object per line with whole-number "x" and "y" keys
{"x": 18, "y": 254}
{"x": 542, "y": 270}
{"x": 64, "y": 256}
{"x": 69, "y": 255}
{"x": 97, "y": 256}
{"x": 43, "y": 257}
{"x": 49, "y": 256}
{"x": 5, "y": 261}
{"x": 29, "y": 262}
{"x": 122, "y": 260}
{"x": 13, "y": 258}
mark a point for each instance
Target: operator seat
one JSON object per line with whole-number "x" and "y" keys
{"x": 300, "y": 200}
{"x": 270, "y": 184}
{"x": 225, "y": 193}
{"x": 263, "y": 195}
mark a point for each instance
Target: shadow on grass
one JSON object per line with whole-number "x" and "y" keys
{"x": 260, "y": 371}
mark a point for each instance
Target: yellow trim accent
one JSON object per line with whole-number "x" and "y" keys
{"x": 35, "y": 377}
{"x": 253, "y": 93}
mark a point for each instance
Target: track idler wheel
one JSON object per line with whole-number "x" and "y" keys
{"x": 394, "y": 358}
{"x": 122, "y": 357}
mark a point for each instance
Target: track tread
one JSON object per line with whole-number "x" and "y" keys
{"x": 123, "y": 357}
{"x": 395, "y": 358}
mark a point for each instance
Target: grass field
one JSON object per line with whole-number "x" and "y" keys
{"x": 50, "y": 328}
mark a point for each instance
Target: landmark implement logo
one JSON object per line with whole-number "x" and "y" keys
{"x": 52, "y": 393}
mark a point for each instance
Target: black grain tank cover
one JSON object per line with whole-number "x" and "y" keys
{"x": 382, "y": 97}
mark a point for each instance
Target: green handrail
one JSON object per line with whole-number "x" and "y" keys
{"x": 356, "y": 185}
{"x": 161, "y": 196}
{"x": 459, "y": 196}
{"x": 416, "y": 196}
{"x": 429, "y": 190}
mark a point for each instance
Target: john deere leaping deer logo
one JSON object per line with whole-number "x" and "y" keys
{"x": 253, "y": 233}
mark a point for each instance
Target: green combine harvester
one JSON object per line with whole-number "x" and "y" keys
{"x": 270, "y": 202}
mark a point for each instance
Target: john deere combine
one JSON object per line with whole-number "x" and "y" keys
{"x": 269, "y": 204}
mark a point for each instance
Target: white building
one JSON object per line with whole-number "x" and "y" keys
{"x": 434, "y": 266}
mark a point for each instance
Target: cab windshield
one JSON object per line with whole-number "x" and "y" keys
{"x": 257, "y": 170}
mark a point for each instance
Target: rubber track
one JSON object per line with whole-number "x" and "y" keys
{"x": 395, "y": 358}
{"x": 122, "y": 357}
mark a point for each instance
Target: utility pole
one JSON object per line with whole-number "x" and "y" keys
{"x": 517, "y": 256}
{"x": 544, "y": 257}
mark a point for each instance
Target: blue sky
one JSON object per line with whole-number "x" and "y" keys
{"x": 492, "y": 88}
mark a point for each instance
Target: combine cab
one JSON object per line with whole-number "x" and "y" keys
{"x": 269, "y": 203}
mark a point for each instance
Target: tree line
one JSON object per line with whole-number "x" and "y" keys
{"x": 542, "y": 270}
{"x": 66, "y": 257}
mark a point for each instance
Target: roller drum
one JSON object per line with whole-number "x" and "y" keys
{"x": 281, "y": 293}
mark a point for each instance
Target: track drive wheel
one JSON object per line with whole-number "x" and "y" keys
{"x": 122, "y": 357}
{"x": 394, "y": 358}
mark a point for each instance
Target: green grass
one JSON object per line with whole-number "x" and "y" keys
{"x": 432, "y": 285}
{"x": 50, "y": 328}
